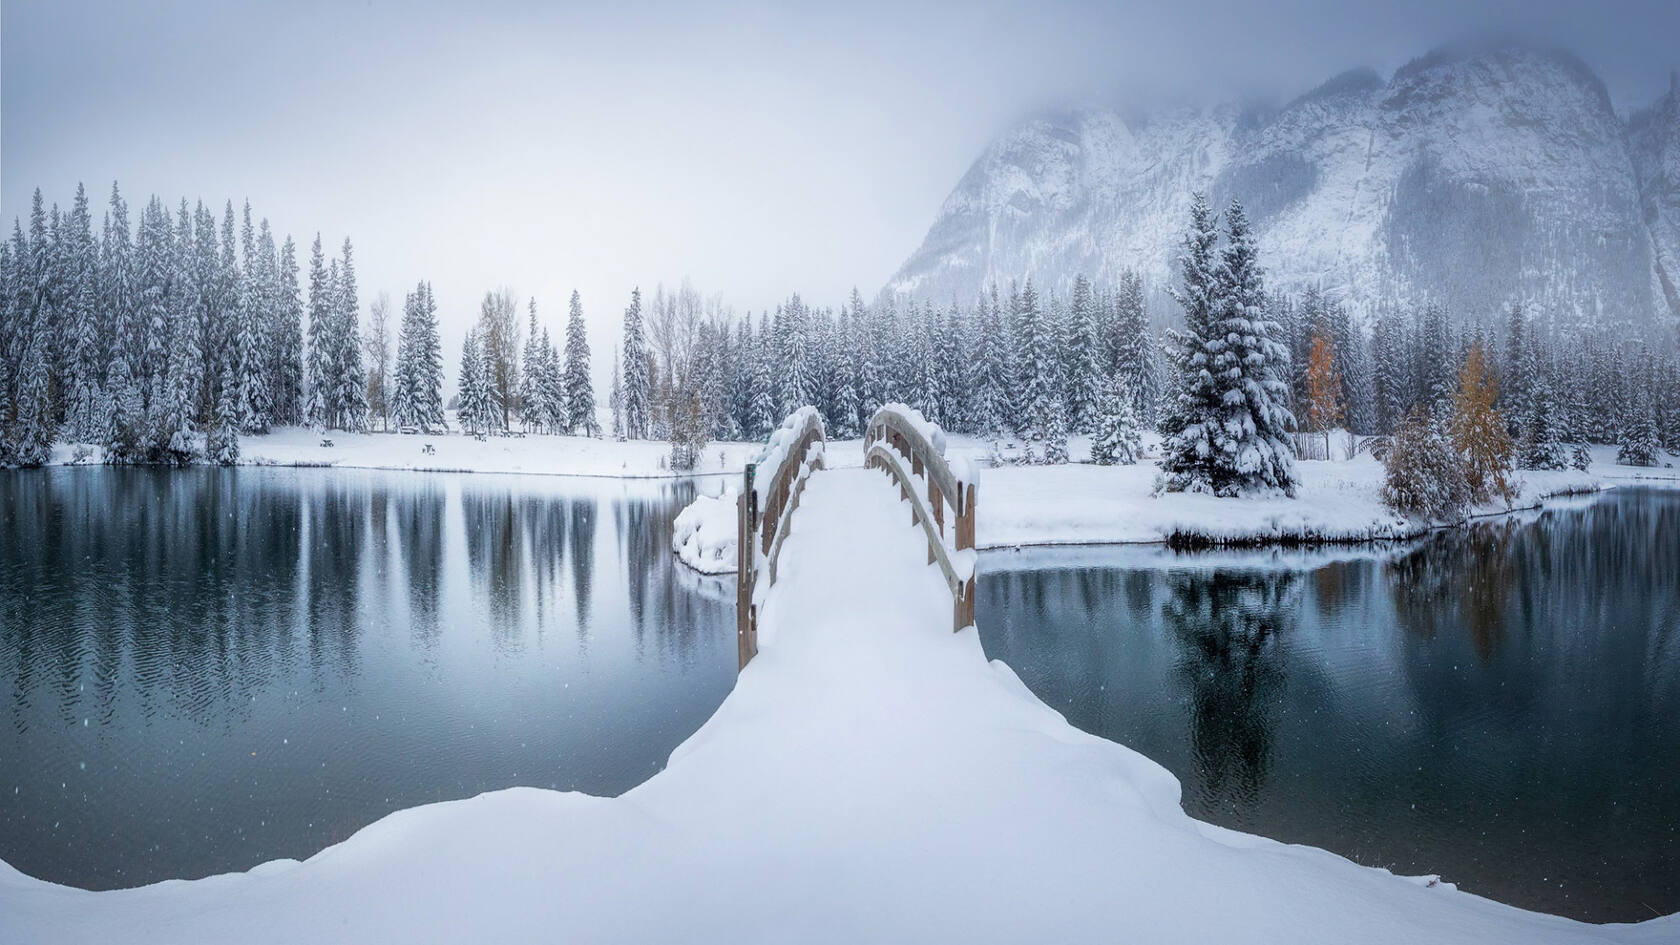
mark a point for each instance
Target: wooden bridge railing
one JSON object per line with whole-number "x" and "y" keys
{"x": 770, "y": 491}
{"x": 912, "y": 450}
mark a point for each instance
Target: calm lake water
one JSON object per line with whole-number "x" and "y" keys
{"x": 205, "y": 669}
{"x": 1499, "y": 705}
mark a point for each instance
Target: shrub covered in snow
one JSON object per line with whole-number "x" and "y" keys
{"x": 1424, "y": 478}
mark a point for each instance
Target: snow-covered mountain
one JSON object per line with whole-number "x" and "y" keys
{"x": 1475, "y": 176}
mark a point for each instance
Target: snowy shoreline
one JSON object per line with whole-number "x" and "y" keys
{"x": 1077, "y": 504}
{"x": 807, "y": 796}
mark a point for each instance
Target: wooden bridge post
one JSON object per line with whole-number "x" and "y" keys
{"x": 964, "y": 605}
{"x": 746, "y": 616}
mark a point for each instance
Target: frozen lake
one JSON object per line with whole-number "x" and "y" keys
{"x": 205, "y": 669}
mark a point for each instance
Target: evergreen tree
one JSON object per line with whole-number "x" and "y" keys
{"x": 1082, "y": 361}
{"x": 480, "y": 406}
{"x": 223, "y": 443}
{"x": 1639, "y": 439}
{"x": 417, "y": 400}
{"x": 794, "y": 371}
{"x": 1055, "y": 432}
{"x": 1036, "y": 373}
{"x": 124, "y": 431}
{"x": 579, "y": 391}
{"x": 1187, "y": 447}
{"x": 85, "y": 402}
{"x": 1250, "y": 367}
{"x": 1134, "y": 353}
{"x": 350, "y": 396}
{"x": 318, "y": 410}
{"x": 1541, "y": 445}
{"x": 1392, "y": 400}
{"x": 530, "y": 376}
{"x": 636, "y": 391}
{"x": 1117, "y": 439}
{"x": 615, "y": 401}
{"x": 286, "y": 369}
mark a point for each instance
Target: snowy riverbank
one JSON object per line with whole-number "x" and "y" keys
{"x": 1019, "y": 505}
{"x": 872, "y": 778}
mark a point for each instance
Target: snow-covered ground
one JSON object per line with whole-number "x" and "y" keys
{"x": 704, "y": 534}
{"x": 1078, "y": 503}
{"x": 1339, "y": 500}
{"x": 871, "y": 778}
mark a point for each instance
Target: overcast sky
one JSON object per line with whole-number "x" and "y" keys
{"x": 758, "y": 148}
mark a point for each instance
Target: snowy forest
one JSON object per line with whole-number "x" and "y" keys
{"x": 166, "y": 342}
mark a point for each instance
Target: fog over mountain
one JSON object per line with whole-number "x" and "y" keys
{"x": 1474, "y": 175}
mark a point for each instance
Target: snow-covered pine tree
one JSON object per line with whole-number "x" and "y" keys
{"x": 615, "y": 399}
{"x": 1055, "y": 432}
{"x": 951, "y": 362}
{"x": 1353, "y": 362}
{"x": 1187, "y": 448}
{"x": 1036, "y": 371}
{"x": 579, "y": 390}
{"x": 530, "y": 376}
{"x": 1134, "y": 348}
{"x": 480, "y": 401}
{"x": 125, "y": 429}
{"x": 636, "y": 389}
{"x": 1541, "y": 443}
{"x": 222, "y": 445}
{"x": 26, "y": 436}
{"x": 847, "y": 405}
{"x": 1435, "y": 352}
{"x": 794, "y": 369}
{"x": 1117, "y": 439}
{"x": 1517, "y": 373}
{"x": 741, "y": 379}
{"x": 1082, "y": 355}
{"x": 764, "y": 417}
{"x": 286, "y": 370}
{"x": 551, "y": 388}
{"x": 85, "y": 410}
{"x": 986, "y": 343}
{"x": 317, "y": 410}
{"x": 1639, "y": 440}
{"x": 1389, "y": 355}
{"x": 1251, "y": 370}
{"x": 351, "y": 377}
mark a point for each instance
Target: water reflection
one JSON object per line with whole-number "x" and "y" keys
{"x": 206, "y": 669}
{"x": 1231, "y": 662}
{"x": 1498, "y": 704}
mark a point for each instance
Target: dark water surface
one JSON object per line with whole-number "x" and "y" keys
{"x": 206, "y": 669}
{"x": 1499, "y": 705}
{"x": 203, "y": 670}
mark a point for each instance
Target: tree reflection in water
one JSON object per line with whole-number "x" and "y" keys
{"x": 1231, "y": 659}
{"x": 205, "y": 669}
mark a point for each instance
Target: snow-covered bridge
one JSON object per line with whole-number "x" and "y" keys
{"x": 872, "y": 778}
{"x": 898, "y": 442}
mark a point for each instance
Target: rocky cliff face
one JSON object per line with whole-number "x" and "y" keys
{"x": 1474, "y": 177}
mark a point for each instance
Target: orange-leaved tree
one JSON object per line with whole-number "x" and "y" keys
{"x": 1478, "y": 431}
{"x": 1324, "y": 390}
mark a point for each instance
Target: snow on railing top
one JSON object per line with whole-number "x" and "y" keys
{"x": 912, "y": 450}
{"x": 775, "y": 452}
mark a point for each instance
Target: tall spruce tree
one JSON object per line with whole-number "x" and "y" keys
{"x": 637, "y": 381}
{"x": 579, "y": 390}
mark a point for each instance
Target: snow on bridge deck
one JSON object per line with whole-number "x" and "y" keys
{"x": 872, "y": 778}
